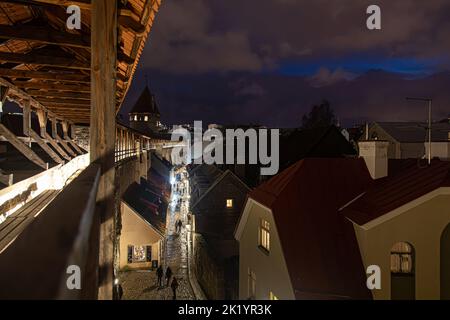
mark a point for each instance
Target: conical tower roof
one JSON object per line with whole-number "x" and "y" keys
{"x": 146, "y": 103}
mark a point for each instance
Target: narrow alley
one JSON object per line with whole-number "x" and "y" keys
{"x": 143, "y": 284}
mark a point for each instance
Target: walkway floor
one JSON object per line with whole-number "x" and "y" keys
{"x": 142, "y": 285}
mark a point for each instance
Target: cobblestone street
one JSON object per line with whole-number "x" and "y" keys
{"x": 142, "y": 284}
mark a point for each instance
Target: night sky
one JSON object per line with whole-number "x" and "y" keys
{"x": 268, "y": 61}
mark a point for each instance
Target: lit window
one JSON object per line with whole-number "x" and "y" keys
{"x": 135, "y": 118}
{"x": 251, "y": 284}
{"x": 131, "y": 118}
{"x": 264, "y": 235}
{"x": 272, "y": 296}
{"x": 229, "y": 203}
{"x": 402, "y": 258}
{"x": 146, "y": 118}
{"x": 139, "y": 254}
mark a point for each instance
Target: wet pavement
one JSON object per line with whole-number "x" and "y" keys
{"x": 142, "y": 285}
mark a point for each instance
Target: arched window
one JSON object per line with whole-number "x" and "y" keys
{"x": 403, "y": 283}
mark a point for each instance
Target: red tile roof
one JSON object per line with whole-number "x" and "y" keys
{"x": 319, "y": 243}
{"x": 407, "y": 181}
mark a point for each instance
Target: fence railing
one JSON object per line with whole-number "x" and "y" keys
{"x": 57, "y": 245}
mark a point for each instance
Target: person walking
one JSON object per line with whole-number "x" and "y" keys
{"x": 160, "y": 273}
{"x": 117, "y": 290}
{"x": 168, "y": 275}
{"x": 174, "y": 287}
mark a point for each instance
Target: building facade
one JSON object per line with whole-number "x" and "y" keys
{"x": 217, "y": 200}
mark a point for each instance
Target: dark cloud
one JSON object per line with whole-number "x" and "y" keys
{"x": 217, "y": 35}
{"x": 268, "y": 61}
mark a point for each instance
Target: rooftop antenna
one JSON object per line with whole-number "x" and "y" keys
{"x": 429, "y": 127}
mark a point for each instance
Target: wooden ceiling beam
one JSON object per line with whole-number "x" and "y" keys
{"x": 59, "y": 94}
{"x": 43, "y": 60}
{"x": 52, "y": 75}
{"x": 56, "y": 76}
{"x": 52, "y": 61}
{"x": 52, "y": 86}
{"x": 62, "y": 102}
{"x": 44, "y": 35}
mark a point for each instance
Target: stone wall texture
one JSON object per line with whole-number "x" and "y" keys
{"x": 82, "y": 136}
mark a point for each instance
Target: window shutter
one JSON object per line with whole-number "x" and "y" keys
{"x": 149, "y": 254}
{"x": 130, "y": 254}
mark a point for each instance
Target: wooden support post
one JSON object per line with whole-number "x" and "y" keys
{"x": 103, "y": 123}
{"x": 54, "y": 128}
{"x": 66, "y": 137}
{"x": 26, "y": 118}
{"x": 39, "y": 138}
{"x": 26, "y": 115}
{"x": 65, "y": 127}
{"x": 42, "y": 116}
{"x": 72, "y": 131}
{"x": 65, "y": 151}
{"x": 22, "y": 147}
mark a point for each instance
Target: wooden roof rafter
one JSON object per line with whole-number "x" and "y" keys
{"x": 29, "y": 62}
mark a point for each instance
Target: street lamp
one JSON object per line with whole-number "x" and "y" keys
{"x": 430, "y": 104}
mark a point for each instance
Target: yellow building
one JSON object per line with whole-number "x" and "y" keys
{"x": 313, "y": 231}
{"x": 143, "y": 227}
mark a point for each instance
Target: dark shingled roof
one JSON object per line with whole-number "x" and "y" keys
{"x": 148, "y": 205}
{"x": 407, "y": 180}
{"x": 415, "y": 131}
{"x": 323, "y": 142}
{"x": 146, "y": 103}
{"x": 318, "y": 242}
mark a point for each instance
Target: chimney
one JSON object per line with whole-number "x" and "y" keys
{"x": 375, "y": 156}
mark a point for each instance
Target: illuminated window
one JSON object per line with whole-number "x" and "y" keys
{"x": 264, "y": 235}
{"x": 138, "y": 254}
{"x": 146, "y": 118}
{"x": 229, "y": 203}
{"x": 403, "y": 280}
{"x": 131, "y": 118}
{"x": 272, "y": 296}
{"x": 251, "y": 279}
{"x": 135, "y": 118}
{"x": 402, "y": 258}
